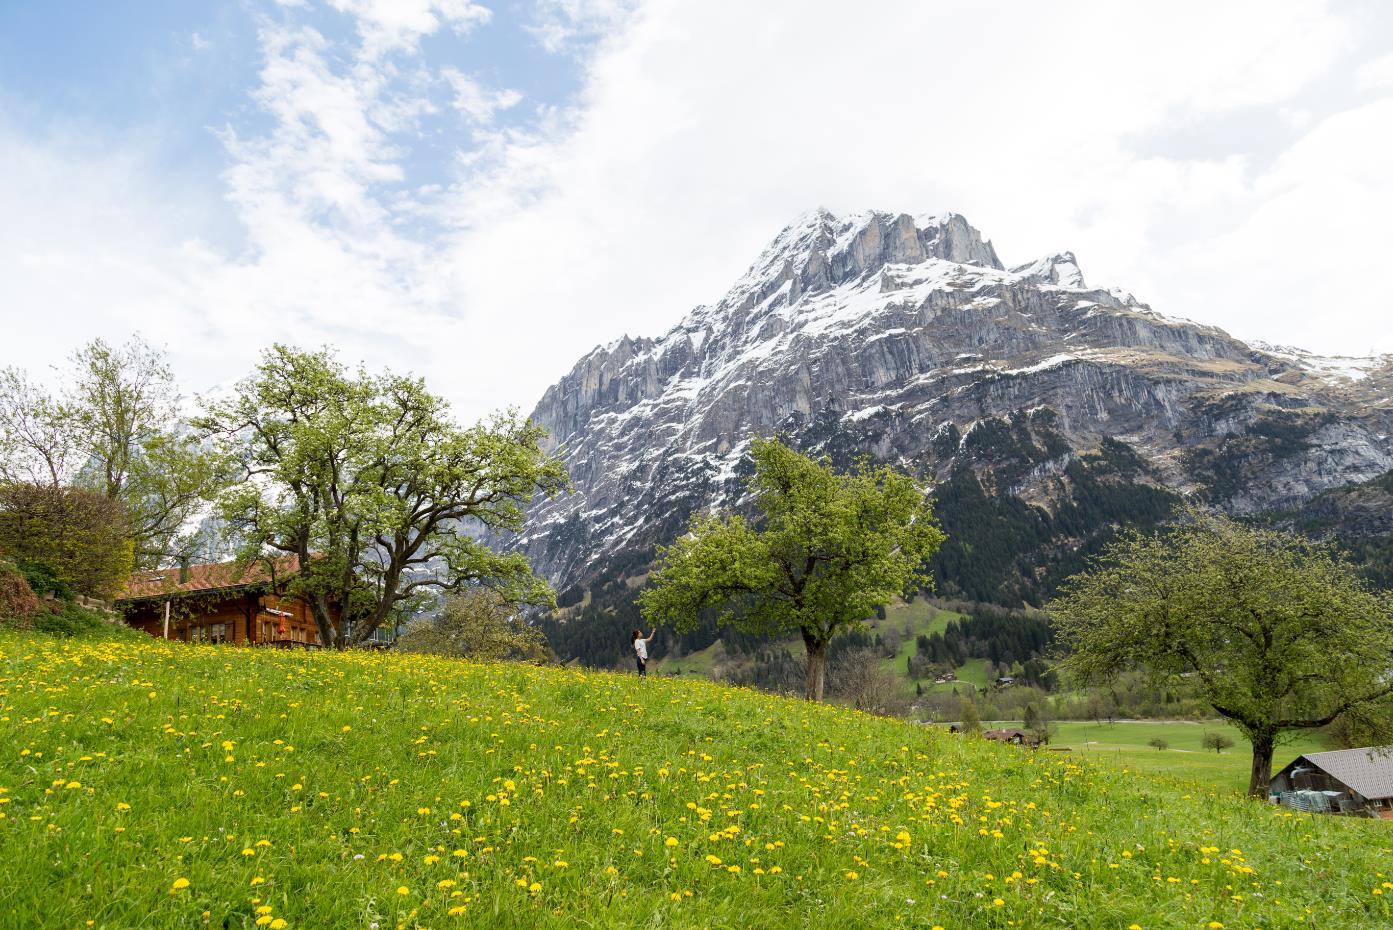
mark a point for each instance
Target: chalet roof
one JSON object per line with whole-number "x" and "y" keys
{"x": 215, "y": 576}
{"x": 1004, "y": 733}
{"x": 1368, "y": 770}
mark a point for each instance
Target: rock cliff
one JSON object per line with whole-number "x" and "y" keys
{"x": 906, "y": 339}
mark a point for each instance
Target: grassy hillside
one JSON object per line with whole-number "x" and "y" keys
{"x": 156, "y": 785}
{"x": 909, "y": 619}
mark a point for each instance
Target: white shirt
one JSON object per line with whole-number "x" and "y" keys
{"x": 641, "y": 647}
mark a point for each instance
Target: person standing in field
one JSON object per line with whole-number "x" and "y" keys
{"x": 641, "y": 651}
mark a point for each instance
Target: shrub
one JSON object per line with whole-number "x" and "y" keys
{"x": 1158, "y": 743}
{"x": 68, "y": 619}
{"x": 44, "y": 580}
{"x": 65, "y": 540}
{"x": 18, "y": 602}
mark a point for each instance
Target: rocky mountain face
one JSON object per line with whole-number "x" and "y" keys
{"x": 1045, "y": 411}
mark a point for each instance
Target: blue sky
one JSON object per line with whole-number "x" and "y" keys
{"x": 480, "y": 192}
{"x": 170, "y": 77}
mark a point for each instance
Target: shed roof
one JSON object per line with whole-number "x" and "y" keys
{"x": 1368, "y": 770}
{"x": 163, "y": 582}
{"x": 1004, "y": 733}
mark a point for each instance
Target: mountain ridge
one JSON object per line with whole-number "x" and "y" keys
{"x": 885, "y": 333}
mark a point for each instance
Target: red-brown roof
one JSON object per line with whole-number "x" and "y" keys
{"x": 162, "y": 582}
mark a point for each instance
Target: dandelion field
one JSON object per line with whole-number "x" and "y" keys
{"x": 149, "y": 784}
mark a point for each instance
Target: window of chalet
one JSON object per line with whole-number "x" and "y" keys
{"x": 208, "y": 633}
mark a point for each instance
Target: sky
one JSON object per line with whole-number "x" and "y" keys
{"x": 480, "y": 192}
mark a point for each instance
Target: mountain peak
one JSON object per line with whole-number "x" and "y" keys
{"x": 1060, "y": 268}
{"x": 904, "y": 338}
{"x": 820, "y": 249}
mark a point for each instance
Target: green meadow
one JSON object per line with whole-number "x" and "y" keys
{"x": 1125, "y": 744}
{"x": 157, "y": 785}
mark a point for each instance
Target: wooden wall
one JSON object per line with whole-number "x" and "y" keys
{"x": 237, "y": 617}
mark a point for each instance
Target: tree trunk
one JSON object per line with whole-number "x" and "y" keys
{"x": 817, "y": 667}
{"x": 1261, "y": 778}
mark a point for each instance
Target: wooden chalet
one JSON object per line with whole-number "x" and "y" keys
{"x": 218, "y": 603}
{"x": 1357, "y": 782}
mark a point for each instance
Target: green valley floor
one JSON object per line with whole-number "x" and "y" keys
{"x": 156, "y": 785}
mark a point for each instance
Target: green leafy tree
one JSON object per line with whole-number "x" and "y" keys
{"x": 368, "y": 480}
{"x": 1158, "y": 743}
{"x": 1217, "y": 742}
{"x": 65, "y": 540}
{"x": 116, "y": 429}
{"x": 480, "y": 624}
{"x": 1278, "y": 634}
{"x": 1032, "y": 717}
{"x": 825, "y": 551}
{"x": 37, "y": 445}
{"x": 969, "y": 717}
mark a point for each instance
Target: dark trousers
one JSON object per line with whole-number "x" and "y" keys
{"x": 642, "y": 665}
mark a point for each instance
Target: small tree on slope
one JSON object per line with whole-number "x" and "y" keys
{"x": 1279, "y": 633}
{"x": 827, "y": 549}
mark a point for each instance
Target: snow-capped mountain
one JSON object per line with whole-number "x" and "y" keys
{"x": 905, "y": 338}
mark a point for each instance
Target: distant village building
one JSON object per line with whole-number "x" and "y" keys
{"x": 1005, "y": 681}
{"x": 217, "y": 603}
{"x": 1013, "y": 736}
{"x": 1357, "y": 782}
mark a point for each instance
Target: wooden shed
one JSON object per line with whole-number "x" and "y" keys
{"x": 1012, "y": 735}
{"x": 1343, "y": 781}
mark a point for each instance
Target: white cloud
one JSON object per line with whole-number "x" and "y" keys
{"x": 703, "y": 131}
{"x": 1296, "y": 268}
{"x": 559, "y": 24}
{"x": 397, "y": 25}
{"x": 1376, "y": 74}
{"x": 479, "y": 103}
{"x": 699, "y": 131}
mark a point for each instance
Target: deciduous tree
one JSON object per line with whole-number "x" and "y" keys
{"x": 369, "y": 480}
{"x": 1217, "y": 742}
{"x": 824, "y": 551}
{"x": 66, "y": 540}
{"x": 116, "y": 429}
{"x": 1279, "y": 634}
{"x": 477, "y": 623}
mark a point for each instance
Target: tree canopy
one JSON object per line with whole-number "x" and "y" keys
{"x": 65, "y": 540}
{"x": 368, "y": 479}
{"x": 477, "y": 623}
{"x": 1279, "y": 634}
{"x": 115, "y": 429}
{"x": 824, "y": 551}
